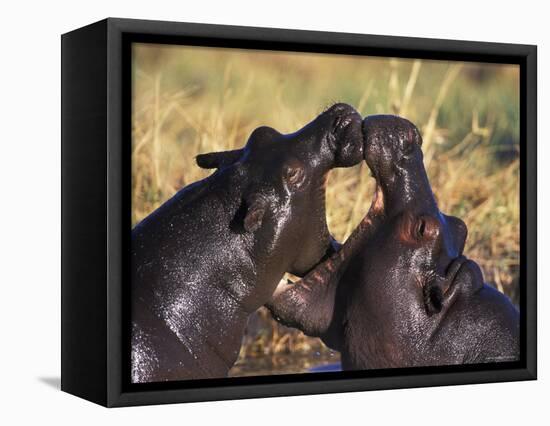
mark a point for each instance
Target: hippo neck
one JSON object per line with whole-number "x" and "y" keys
{"x": 268, "y": 263}
{"x": 407, "y": 192}
{"x": 209, "y": 326}
{"x": 312, "y": 240}
{"x": 254, "y": 267}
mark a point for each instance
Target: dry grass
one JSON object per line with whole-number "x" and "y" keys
{"x": 193, "y": 100}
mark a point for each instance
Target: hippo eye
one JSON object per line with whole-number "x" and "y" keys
{"x": 294, "y": 173}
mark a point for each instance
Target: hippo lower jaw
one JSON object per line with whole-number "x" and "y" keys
{"x": 332, "y": 248}
{"x": 463, "y": 271}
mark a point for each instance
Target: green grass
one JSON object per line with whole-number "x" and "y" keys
{"x": 190, "y": 100}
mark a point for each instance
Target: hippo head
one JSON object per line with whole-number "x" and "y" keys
{"x": 283, "y": 181}
{"x": 400, "y": 292}
{"x": 428, "y": 301}
{"x": 419, "y": 246}
{"x": 416, "y": 265}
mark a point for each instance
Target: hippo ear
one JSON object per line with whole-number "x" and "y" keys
{"x": 254, "y": 216}
{"x": 216, "y": 160}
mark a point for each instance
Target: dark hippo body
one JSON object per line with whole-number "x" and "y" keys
{"x": 215, "y": 252}
{"x": 400, "y": 293}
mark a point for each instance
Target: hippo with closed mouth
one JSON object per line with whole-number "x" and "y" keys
{"x": 400, "y": 292}
{"x": 215, "y": 252}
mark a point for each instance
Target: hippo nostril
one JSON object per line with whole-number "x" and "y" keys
{"x": 340, "y": 108}
{"x": 341, "y": 121}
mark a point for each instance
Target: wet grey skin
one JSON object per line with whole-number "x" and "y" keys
{"x": 215, "y": 252}
{"x": 400, "y": 292}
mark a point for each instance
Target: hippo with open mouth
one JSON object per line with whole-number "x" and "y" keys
{"x": 400, "y": 292}
{"x": 215, "y": 252}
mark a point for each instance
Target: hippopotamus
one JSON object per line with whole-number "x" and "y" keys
{"x": 215, "y": 252}
{"x": 400, "y": 292}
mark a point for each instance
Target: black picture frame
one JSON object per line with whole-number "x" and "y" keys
{"x": 96, "y": 140}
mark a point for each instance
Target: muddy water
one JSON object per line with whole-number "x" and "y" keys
{"x": 287, "y": 364}
{"x": 270, "y": 348}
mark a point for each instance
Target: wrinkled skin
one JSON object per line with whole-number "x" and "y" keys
{"x": 400, "y": 293}
{"x": 215, "y": 252}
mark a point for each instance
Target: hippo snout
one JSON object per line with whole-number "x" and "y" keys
{"x": 396, "y": 131}
{"x": 387, "y": 139}
{"x": 345, "y": 131}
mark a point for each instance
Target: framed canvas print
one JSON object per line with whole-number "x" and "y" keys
{"x": 252, "y": 212}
